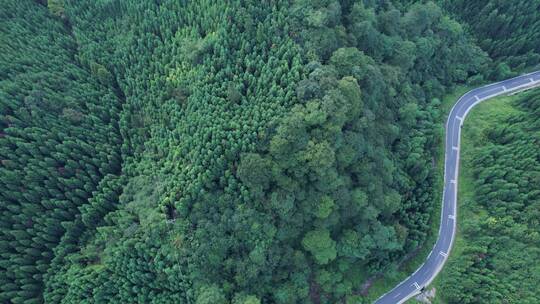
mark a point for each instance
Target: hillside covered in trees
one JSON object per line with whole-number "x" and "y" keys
{"x": 217, "y": 152}
{"x": 498, "y": 261}
{"x": 507, "y": 30}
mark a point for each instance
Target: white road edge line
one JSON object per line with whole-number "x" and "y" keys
{"x": 447, "y": 125}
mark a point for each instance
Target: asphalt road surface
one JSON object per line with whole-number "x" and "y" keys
{"x": 425, "y": 274}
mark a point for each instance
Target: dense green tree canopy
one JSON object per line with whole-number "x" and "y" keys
{"x": 499, "y": 258}
{"x": 507, "y": 30}
{"x": 220, "y": 151}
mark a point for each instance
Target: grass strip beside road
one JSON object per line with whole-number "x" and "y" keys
{"x": 481, "y": 118}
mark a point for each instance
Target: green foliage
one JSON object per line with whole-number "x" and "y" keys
{"x": 218, "y": 151}
{"x": 254, "y": 171}
{"x": 56, "y": 7}
{"x": 211, "y": 295}
{"x": 505, "y": 29}
{"x": 499, "y": 260}
{"x": 59, "y": 146}
{"x": 319, "y": 243}
{"x": 246, "y": 300}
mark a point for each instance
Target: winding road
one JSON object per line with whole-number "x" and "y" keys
{"x": 425, "y": 274}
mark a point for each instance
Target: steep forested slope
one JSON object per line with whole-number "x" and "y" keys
{"x": 59, "y": 140}
{"x": 233, "y": 151}
{"x": 202, "y": 85}
{"x": 287, "y": 167}
{"x": 499, "y": 259}
{"x": 508, "y": 30}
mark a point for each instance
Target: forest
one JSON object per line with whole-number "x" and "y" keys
{"x": 498, "y": 262}
{"x": 245, "y": 152}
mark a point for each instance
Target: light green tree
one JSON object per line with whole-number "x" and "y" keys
{"x": 320, "y": 245}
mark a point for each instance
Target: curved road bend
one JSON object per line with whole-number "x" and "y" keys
{"x": 425, "y": 274}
